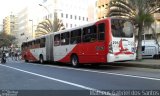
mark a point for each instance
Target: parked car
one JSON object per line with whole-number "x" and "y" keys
{"x": 150, "y": 49}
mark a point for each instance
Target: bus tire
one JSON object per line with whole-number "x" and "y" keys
{"x": 74, "y": 61}
{"x": 41, "y": 60}
{"x": 155, "y": 57}
{"x": 25, "y": 59}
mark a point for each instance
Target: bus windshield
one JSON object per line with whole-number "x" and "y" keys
{"x": 122, "y": 28}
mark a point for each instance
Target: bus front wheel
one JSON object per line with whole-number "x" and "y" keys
{"x": 74, "y": 61}
{"x": 25, "y": 58}
{"x": 41, "y": 59}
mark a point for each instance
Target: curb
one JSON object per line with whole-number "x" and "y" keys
{"x": 137, "y": 64}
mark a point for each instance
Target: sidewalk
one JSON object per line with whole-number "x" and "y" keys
{"x": 144, "y": 63}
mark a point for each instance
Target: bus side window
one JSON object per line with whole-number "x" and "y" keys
{"x": 65, "y": 38}
{"x": 42, "y": 42}
{"x": 75, "y": 36}
{"x": 30, "y": 45}
{"x": 57, "y": 40}
{"x": 90, "y": 34}
{"x": 101, "y": 31}
{"x": 37, "y": 43}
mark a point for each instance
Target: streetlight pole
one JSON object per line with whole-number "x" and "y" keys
{"x": 48, "y": 15}
{"x": 46, "y": 9}
{"x": 32, "y": 27}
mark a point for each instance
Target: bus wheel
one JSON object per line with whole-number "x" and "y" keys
{"x": 74, "y": 61}
{"x": 41, "y": 59}
{"x": 25, "y": 59}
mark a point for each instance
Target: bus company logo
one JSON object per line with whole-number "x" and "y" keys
{"x": 122, "y": 50}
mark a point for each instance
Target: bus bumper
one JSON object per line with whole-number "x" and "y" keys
{"x": 121, "y": 57}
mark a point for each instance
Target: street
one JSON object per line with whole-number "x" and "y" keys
{"x": 18, "y": 75}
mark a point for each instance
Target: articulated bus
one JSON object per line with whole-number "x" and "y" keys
{"x": 103, "y": 41}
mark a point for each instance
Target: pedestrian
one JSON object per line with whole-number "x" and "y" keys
{"x": 16, "y": 56}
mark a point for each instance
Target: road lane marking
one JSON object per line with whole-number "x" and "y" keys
{"x": 102, "y": 72}
{"x": 62, "y": 81}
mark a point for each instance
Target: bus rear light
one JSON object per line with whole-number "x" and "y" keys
{"x": 110, "y": 48}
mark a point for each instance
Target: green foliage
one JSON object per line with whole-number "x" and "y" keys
{"x": 6, "y": 40}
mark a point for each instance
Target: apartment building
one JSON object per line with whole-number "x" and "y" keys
{"x": 10, "y": 25}
{"x": 72, "y": 12}
{"x": 27, "y": 21}
{"x": 102, "y": 8}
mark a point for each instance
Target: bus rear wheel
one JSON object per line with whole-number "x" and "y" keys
{"x": 74, "y": 61}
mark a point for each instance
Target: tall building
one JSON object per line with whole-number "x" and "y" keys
{"x": 23, "y": 30}
{"x": 102, "y": 8}
{"x": 72, "y": 12}
{"x": 10, "y": 25}
{"x": 27, "y": 22}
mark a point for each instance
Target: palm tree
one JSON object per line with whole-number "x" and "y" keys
{"x": 47, "y": 26}
{"x": 140, "y": 12}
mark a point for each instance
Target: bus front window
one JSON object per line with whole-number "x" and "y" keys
{"x": 121, "y": 28}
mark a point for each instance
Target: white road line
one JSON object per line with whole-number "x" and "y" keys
{"x": 102, "y": 72}
{"x": 54, "y": 79}
{"x": 62, "y": 81}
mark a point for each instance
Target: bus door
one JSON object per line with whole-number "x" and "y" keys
{"x": 49, "y": 48}
{"x": 65, "y": 49}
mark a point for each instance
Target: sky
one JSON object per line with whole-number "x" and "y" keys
{"x": 13, "y": 6}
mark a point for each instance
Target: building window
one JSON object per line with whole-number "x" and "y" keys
{"x": 83, "y": 18}
{"x": 66, "y": 24}
{"x": 66, "y": 15}
{"x": 79, "y": 17}
{"x": 86, "y": 19}
{"x": 71, "y": 16}
{"x": 75, "y": 17}
{"x": 62, "y": 15}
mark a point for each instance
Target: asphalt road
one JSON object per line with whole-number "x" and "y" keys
{"x": 17, "y": 75}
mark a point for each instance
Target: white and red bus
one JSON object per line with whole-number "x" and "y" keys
{"x": 106, "y": 40}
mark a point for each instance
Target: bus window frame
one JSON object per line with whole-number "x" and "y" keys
{"x": 76, "y": 37}
{"x": 42, "y": 42}
{"x": 88, "y": 34}
{"x": 65, "y": 38}
{"x": 104, "y": 31}
{"x": 57, "y": 41}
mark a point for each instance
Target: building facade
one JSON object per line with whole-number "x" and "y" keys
{"x": 72, "y": 12}
{"x": 10, "y": 25}
{"x": 102, "y": 8}
{"x": 23, "y": 30}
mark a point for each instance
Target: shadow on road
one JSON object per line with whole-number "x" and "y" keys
{"x": 106, "y": 66}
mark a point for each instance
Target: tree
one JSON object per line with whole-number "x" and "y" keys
{"x": 140, "y": 12}
{"x": 47, "y": 26}
{"x": 6, "y": 40}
